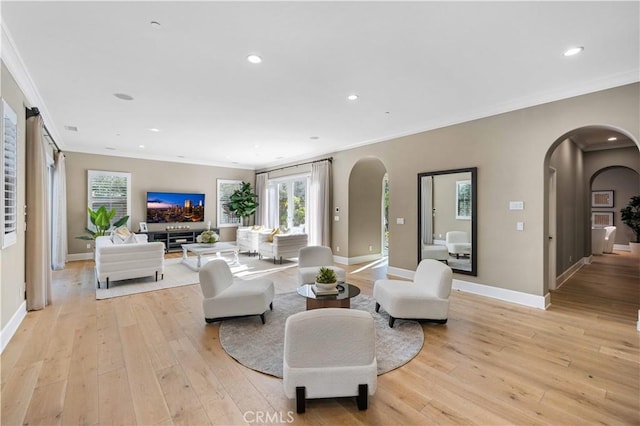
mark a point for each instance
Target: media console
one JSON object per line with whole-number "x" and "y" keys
{"x": 173, "y": 239}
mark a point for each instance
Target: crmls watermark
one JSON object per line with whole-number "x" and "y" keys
{"x": 268, "y": 417}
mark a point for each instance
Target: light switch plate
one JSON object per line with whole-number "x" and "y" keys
{"x": 519, "y": 226}
{"x": 516, "y": 205}
{"x": 400, "y": 220}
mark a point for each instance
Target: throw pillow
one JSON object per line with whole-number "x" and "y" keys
{"x": 131, "y": 239}
{"x": 272, "y": 233}
{"x": 122, "y": 231}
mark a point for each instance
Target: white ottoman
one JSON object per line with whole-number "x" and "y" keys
{"x": 435, "y": 252}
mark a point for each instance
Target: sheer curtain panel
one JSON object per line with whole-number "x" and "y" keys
{"x": 320, "y": 204}
{"x": 262, "y": 189}
{"x": 59, "y": 216}
{"x": 38, "y": 259}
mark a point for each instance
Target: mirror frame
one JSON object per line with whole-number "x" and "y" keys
{"x": 474, "y": 215}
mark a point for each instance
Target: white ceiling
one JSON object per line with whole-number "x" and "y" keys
{"x": 415, "y": 65}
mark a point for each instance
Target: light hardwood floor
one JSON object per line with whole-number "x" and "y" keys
{"x": 150, "y": 359}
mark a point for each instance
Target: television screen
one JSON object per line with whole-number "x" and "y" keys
{"x": 169, "y": 207}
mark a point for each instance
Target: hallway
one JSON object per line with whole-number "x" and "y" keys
{"x": 609, "y": 287}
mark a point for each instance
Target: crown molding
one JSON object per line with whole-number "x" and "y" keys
{"x": 16, "y": 66}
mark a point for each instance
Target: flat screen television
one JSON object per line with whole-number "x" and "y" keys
{"x": 171, "y": 207}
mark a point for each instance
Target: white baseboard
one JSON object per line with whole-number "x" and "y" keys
{"x": 79, "y": 256}
{"x": 622, "y": 247}
{"x": 563, "y": 277}
{"x": 518, "y": 297}
{"x": 512, "y": 296}
{"x": 12, "y": 326}
{"x": 355, "y": 260}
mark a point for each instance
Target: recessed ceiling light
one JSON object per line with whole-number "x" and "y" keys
{"x": 153, "y": 129}
{"x": 352, "y": 97}
{"x": 612, "y": 138}
{"x": 110, "y": 148}
{"x": 141, "y": 146}
{"x": 573, "y": 51}
{"x": 180, "y": 156}
{"x": 71, "y": 128}
{"x": 254, "y": 59}
{"x": 314, "y": 137}
{"x": 155, "y": 24}
{"x": 123, "y": 96}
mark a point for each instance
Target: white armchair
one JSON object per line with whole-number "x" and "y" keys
{"x": 609, "y": 239}
{"x": 597, "y": 240}
{"x": 227, "y": 297}
{"x": 280, "y": 246}
{"x": 427, "y": 297}
{"x": 329, "y": 352}
{"x": 247, "y": 239}
{"x": 311, "y": 259}
{"x": 458, "y": 243}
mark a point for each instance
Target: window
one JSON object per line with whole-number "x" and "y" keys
{"x": 109, "y": 189}
{"x": 9, "y": 171}
{"x": 290, "y": 207}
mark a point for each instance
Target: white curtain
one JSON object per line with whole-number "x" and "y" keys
{"x": 59, "y": 215}
{"x": 38, "y": 246}
{"x": 320, "y": 204}
{"x": 262, "y": 189}
{"x": 426, "y": 210}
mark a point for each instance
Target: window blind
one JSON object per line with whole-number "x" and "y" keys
{"x": 9, "y": 168}
{"x": 111, "y": 190}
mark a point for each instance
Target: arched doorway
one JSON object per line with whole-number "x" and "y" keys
{"x": 572, "y": 163}
{"x": 366, "y": 210}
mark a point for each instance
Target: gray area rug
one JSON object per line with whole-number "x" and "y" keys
{"x": 261, "y": 347}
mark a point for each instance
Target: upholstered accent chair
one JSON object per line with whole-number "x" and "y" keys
{"x": 132, "y": 257}
{"x": 609, "y": 239}
{"x": 426, "y": 297}
{"x": 458, "y": 243}
{"x": 311, "y": 259}
{"x": 228, "y": 297}
{"x": 597, "y": 240}
{"x": 247, "y": 239}
{"x": 280, "y": 246}
{"x": 329, "y": 352}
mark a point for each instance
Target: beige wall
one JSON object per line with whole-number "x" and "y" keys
{"x": 12, "y": 259}
{"x": 146, "y": 175}
{"x": 510, "y": 151}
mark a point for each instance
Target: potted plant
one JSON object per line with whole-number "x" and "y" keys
{"x": 630, "y": 215}
{"x": 326, "y": 279}
{"x": 101, "y": 219}
{"x": 243, "y": 202}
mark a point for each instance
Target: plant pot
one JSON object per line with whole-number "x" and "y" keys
{"x": 326, "y": 286}
{"x": 635, "y": 248}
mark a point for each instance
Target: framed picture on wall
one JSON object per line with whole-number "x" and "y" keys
{"x": 601, "y": 219}
{"x": 602, "y": 198}
{"x": 225, "y": 216}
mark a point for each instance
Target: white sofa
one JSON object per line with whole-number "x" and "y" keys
{"x": 132, "y": 260}
{"x": 247, "y": 239}
{"x": 283, "y": 246}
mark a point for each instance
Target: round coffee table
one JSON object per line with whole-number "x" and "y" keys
{"x": 341, "y": 300}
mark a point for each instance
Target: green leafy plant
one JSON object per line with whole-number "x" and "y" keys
{"x": 630, "y": 215}
{"x": 101, "y": 219}
{"x": 326, "y": 276}
{"x": 242, "y": 201}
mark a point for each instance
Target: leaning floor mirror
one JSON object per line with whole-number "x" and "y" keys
{"x": 447, "y": 218}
